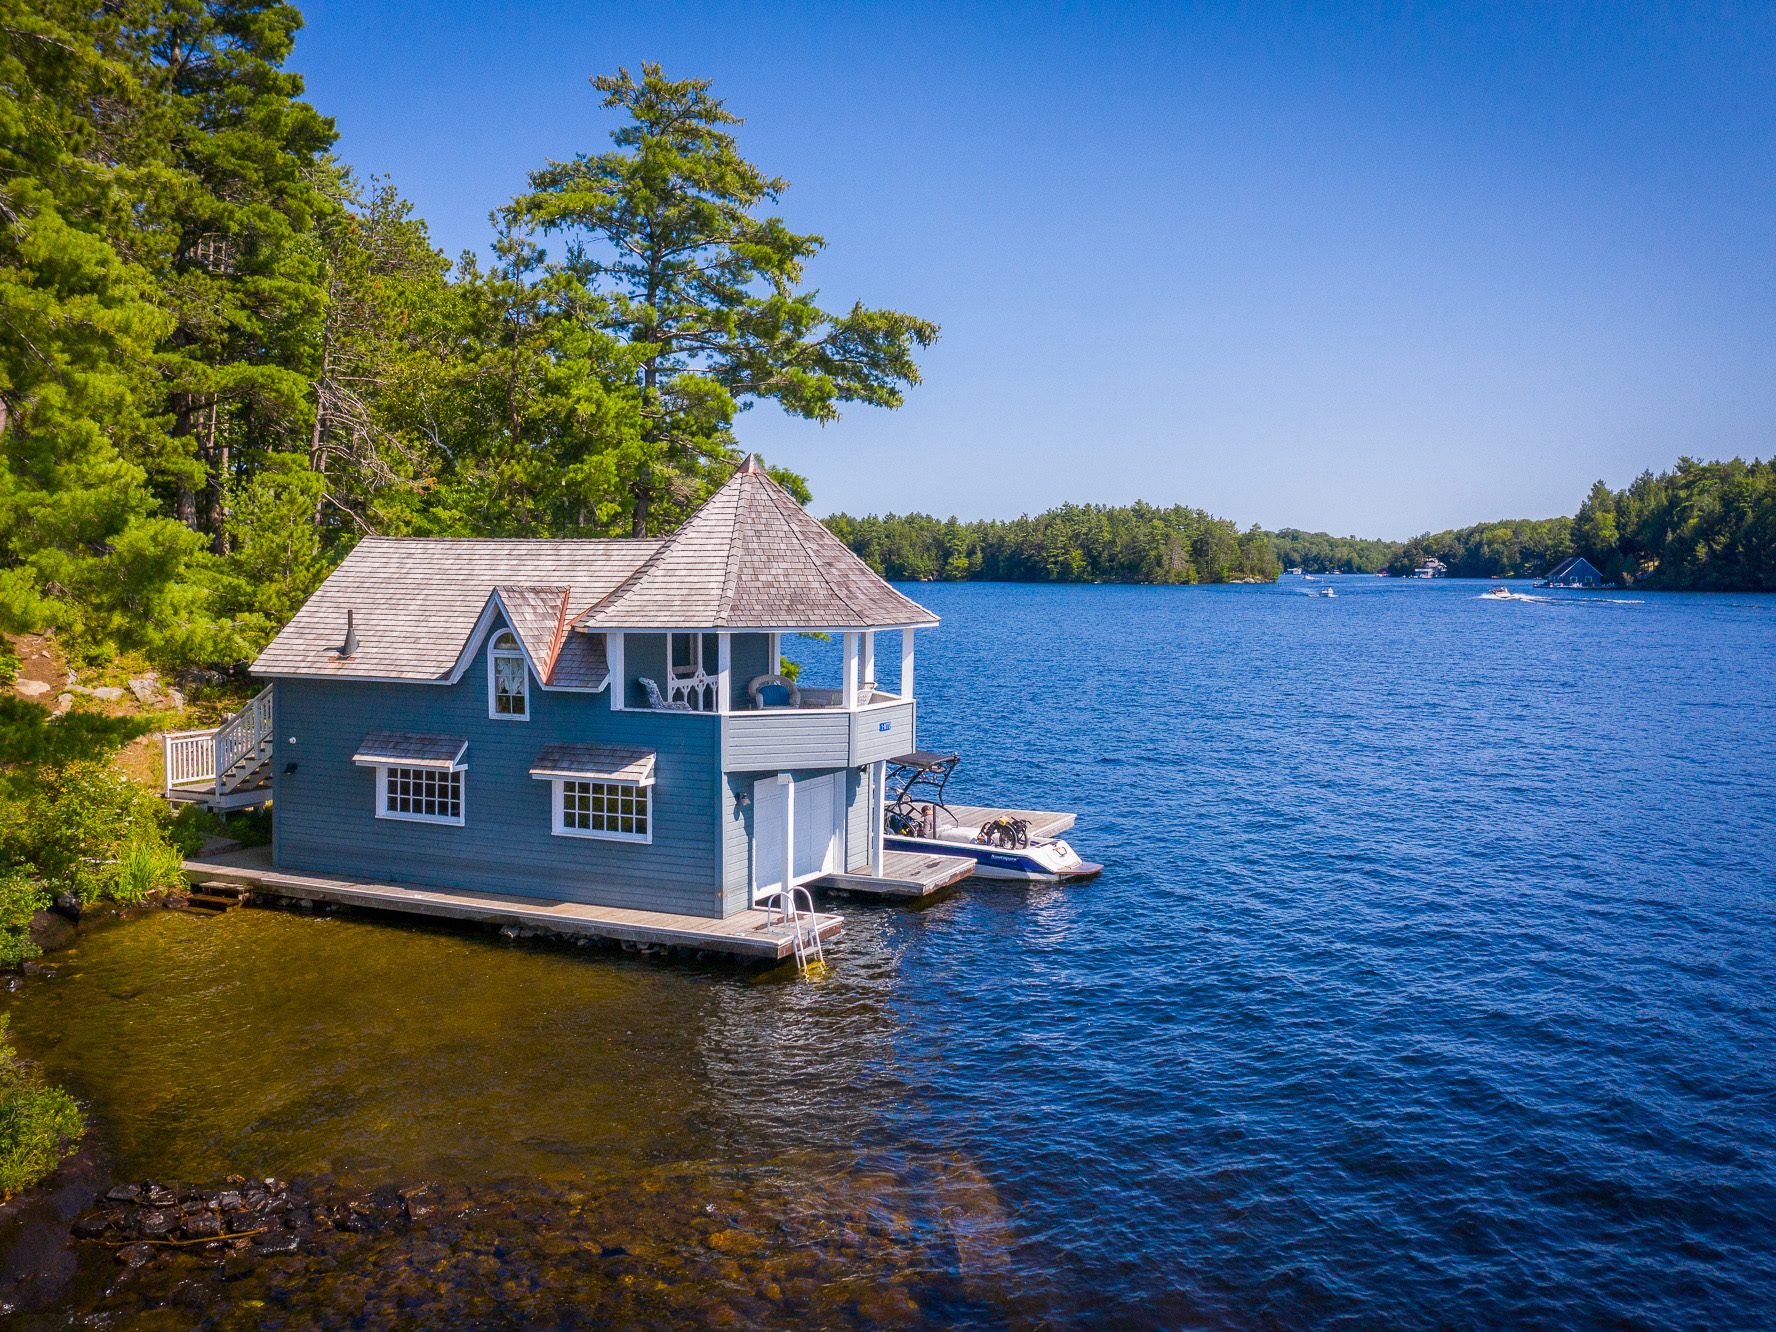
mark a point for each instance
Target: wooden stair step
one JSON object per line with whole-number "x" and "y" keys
{"x": 215, "y": 905}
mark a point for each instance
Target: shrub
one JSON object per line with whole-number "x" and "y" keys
{"x": 76, "y": 824}
{"x": 39, "y": 1125}
{"x": 21, "y": 897}
{"x": 142, "y": 867}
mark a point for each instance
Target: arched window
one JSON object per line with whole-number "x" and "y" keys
{"x": 508, "y": 682}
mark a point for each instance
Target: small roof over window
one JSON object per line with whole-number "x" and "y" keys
{"x": 405, "y": 749}
{"x": 600, "y": 763}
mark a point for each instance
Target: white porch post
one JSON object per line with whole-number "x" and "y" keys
{"x": 869, "y": 656}
{"x": 776, "y": 655}
{"x": 724, "y": 665}
{"x": 850, "y": 671}
{"x": 613, "y": 656}
{"x": 878, "y": 829}
{"x": 906, "y": 663}
{"x": 787, "y": 782}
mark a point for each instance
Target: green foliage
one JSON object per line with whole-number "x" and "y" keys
{"x": 31, "y": 734}
{"x": 194, "y": 823}
{"x": 39, "y": 1125}
{"x": 1702, "y": 526}
{"x": 1073, "y": 544}
{"x": 90, "y": 831}
{"x": 699, "y": 294}
{"x": 1321, "y": 552}
{"x": 21, "y": 897}
{"x": 1518, "y": 548}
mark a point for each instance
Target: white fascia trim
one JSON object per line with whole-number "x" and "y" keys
{"x": 479, "y": 632}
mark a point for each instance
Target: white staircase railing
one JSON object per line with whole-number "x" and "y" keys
{"x": 190, "y": 757}
{"x": 243, "y": 737}
{"x": 222, "y": 756}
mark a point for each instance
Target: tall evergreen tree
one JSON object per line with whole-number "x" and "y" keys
{"x": 666, "y": 230}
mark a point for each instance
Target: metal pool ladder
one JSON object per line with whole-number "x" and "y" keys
{"x": 804, "y": 927}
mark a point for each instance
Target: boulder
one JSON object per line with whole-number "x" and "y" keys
{"x": 202, "y": 1225}
{"x": 134, "y": 1255}
{"x": 277, "y": 1241}
{"x": 33, "y": 688}
{"x": 145, "y": 689}
{"x": 124, "y": 1193}
{"x": 153, "y": 1224}
{"x": 50, "y": 931}
{"x": 66, "y": 905}
{"x": 110, "y": 693}
{"x": 93, "y": 1226}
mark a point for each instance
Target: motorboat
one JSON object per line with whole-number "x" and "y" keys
{"x": 1499, "y": 593}
{"x": 1322, "y": 592}
{"x": 1001, "y": 845}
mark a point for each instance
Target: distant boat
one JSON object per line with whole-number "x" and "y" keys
{"x": 1498, "y": 593}
{"x": 1322, "y": 592}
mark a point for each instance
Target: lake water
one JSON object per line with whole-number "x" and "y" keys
{"x": 1431, "y": 983}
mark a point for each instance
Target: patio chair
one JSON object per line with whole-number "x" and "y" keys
{"x": 656, "y": 701}
{"x": 763, "y": 682}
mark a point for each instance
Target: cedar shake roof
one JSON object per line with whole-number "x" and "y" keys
{"x": 752, "y": 558}
{"x": 418, "y": 599}
{"x": 410, "y": 750}
{"x": 617, "y": 763}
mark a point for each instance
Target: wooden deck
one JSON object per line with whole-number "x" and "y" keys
{"x": 904, "y": 874}
{"x": 1043, "y": 823}
{"x": 742, "y": 935}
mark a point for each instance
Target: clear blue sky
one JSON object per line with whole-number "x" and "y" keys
{"x": 1359, "y": 268}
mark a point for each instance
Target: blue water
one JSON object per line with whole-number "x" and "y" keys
{"x": 1429, "y": 983}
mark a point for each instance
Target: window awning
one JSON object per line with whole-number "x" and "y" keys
{"x": 600, "y": 763}
{"x": 407, "y": 750}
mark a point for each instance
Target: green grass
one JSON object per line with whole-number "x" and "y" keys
{"x": 39, "y": 1125}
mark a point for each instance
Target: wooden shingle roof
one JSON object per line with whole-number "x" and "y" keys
{"x": 753, "y": 558}
{"x": 417, "y": 600}
{"x": 750, "y": 558}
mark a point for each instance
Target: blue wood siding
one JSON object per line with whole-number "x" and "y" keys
{"x": 857, "y": 814}
{"x": 325, "y": 813}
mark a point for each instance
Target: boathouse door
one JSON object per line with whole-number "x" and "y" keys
{"x": 818, "y": 820}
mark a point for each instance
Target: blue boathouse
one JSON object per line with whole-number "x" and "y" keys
{"x": 593, "y": 721}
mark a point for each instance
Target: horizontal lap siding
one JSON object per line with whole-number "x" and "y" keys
{"x": 869, "y": 742}
{"x": 814, "y": 738}
{"x": 325, "y": 813}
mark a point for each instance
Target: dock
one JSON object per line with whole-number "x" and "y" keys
{"x": 747, "y": 934}
{"x": 904, "y": 874}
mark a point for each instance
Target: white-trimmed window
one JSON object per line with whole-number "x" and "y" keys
{"x": 508, "y": 679}
{"x": 422, "y": 795}
{"x": 613, "y": 811}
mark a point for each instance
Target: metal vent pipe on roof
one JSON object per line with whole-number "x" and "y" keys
{"x": 349, "y": 648}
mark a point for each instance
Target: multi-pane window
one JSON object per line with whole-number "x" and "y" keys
{"x": 616, "y": 810}
{"x": 508, "y": 682}
{"x": 430, "y": 795}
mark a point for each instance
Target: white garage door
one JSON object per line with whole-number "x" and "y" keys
{"x": 819, "y": 830}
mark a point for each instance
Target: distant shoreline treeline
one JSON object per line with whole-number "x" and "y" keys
{"x": 1076, "y": 543}
{"x": 1702, "y": 526}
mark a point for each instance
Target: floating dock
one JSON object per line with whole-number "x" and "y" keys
{"x": 904, "y": 874}
{"x": 748, "y": 934}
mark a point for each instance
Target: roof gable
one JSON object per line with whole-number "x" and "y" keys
{"x": 417, "y": 601}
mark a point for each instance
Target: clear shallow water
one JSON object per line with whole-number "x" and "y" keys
{"x": 1430, "y": 984}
